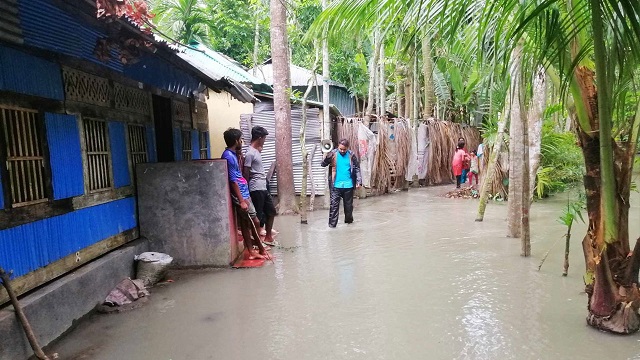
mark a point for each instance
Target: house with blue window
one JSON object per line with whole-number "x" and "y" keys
{"x": 73, "y": 126}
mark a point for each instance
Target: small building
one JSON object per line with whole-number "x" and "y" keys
{"x": 339, "y": 95}
{"x": 264, "y": 115}
{"x": 82, "y": 102}
{"x": 225, "y": 106}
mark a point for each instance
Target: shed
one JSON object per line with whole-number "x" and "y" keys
{"x": 264, "y": 116}
{"x": 339, "y": 95}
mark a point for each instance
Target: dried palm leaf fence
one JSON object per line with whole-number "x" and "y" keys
{"x": 385, "y": 152}
{"x": 442, "y": 137}
{"x": 391, "y": 155}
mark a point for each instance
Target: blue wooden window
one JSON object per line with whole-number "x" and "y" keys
{"x": 119, "y": 158}
{"x": 65, "y": 155}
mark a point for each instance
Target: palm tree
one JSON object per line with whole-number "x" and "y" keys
{"x": 282, "y": 106}
{"x": 594, "y": 47}
{"x": 183, "y": 20}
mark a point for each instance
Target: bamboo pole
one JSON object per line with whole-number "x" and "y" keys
{"x": 22, "y": 318}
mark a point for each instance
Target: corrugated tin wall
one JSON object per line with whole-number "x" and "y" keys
{"x": 157, "y": 72}
{"x": 119, "y": 158}
{"x": 48, "y": 27}
{"x": 266, "y": 119}
{"x": 65, "y": 155}
{"x": 26, "y": 74}
{"x": 195, "y": 145}
{"x": 10, "y": 29}
{"x": 1, "y": 193}
{"x": 31, "y": 246}
{"x": 177, "y": 144}
{"x": 338, "y": 96}
{"x": 151, "y": 144}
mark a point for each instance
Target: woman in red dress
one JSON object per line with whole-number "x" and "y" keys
{"x": 458, "y": 159}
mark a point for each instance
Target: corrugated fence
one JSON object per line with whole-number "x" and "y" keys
{"x": 266, "y": 119}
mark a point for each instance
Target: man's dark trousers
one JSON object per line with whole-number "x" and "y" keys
{"x": 334, "y": 210}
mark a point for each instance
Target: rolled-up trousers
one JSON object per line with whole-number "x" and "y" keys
{"x": 334, "y": 211}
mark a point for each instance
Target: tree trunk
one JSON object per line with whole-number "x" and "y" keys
{"x": 491, "y": 168}
{"x": 305, "y": 157}
{"x": 612, "y": 274}
{"x": 408, "y": 94}
{"x": 282, "y": 107}
{"x": 515, "y": 64}
{"x": 382, "y": 82}
{"x": 516, "y": 147}
{"x": 373, "y": 62}
{"x": 415, "y": 87}
{"x": 526, "y": 204}
{"x": 536, "y": 113}
{"x": 326, "y": 75}
{"x": 565, "y": 270}
{"x": 256, "y": 37}
{"x": 427, "y": 70}
{"x": 303, "y": 136}
{"x": 399, "y": 89}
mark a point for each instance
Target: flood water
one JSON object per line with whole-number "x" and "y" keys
{"x": 415, "y": 277}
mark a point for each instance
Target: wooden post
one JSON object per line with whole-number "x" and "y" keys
{"x": 37, "y": 350}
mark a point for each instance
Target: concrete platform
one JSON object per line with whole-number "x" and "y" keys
{"x": 54, "y": 308}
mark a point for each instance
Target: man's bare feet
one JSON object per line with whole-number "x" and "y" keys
{"x": 253, "y": 255}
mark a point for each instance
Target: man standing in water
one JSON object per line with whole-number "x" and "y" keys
{"x": 240, "y": 194}
{"x": 344, "y": 179}
{"x": 254, "y": 172}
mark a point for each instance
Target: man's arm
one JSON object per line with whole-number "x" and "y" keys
{"x": 246, "y": 170}
{"x": 235, "y": 190}
{"x": 356, "y": 168}
{"x": 327, "y": 159}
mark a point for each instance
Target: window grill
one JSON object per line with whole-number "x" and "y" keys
{"x": 137, "y": 144}
{"x": 204, "y": 137}
{"x": 25, "y": 160}
{"x": 186, "y": 145}
{"x": 98, "y": 162}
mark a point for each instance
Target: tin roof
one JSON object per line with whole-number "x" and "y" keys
{"x": 221, "y": 68}
{"x": 299, "y": 75}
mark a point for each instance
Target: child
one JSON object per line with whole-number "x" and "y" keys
{"x": 473, "y": 169}
{"x": 457, "y": 164}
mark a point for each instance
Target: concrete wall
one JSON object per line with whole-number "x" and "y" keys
{"x": 54, "y": 308}
{"x": 224, "y": 112}
{"x": 185, "y": 211}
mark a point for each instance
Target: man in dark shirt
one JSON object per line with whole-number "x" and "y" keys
{"x": 245, "y": 210}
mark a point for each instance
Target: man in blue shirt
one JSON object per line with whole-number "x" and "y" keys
{"x": 345, "y": 177}
{"x": 240, "y": 196}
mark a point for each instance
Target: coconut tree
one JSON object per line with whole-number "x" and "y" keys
{"x": 594, "y": 45}
{"x": 183, "y": 20}
{"x": 282, "y": 106}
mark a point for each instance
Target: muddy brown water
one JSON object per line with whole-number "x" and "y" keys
{"x": 415, "y": 277}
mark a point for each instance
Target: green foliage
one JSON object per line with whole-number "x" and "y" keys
{"x": 573, "y": 211}
{"x": 561, "y": 163}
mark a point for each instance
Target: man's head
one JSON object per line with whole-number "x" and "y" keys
{"x": 233, "y": 138}
{"x": 258, "y": 135}
{"x": 343, "y": 146}
{"x": 460, "y": 144}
